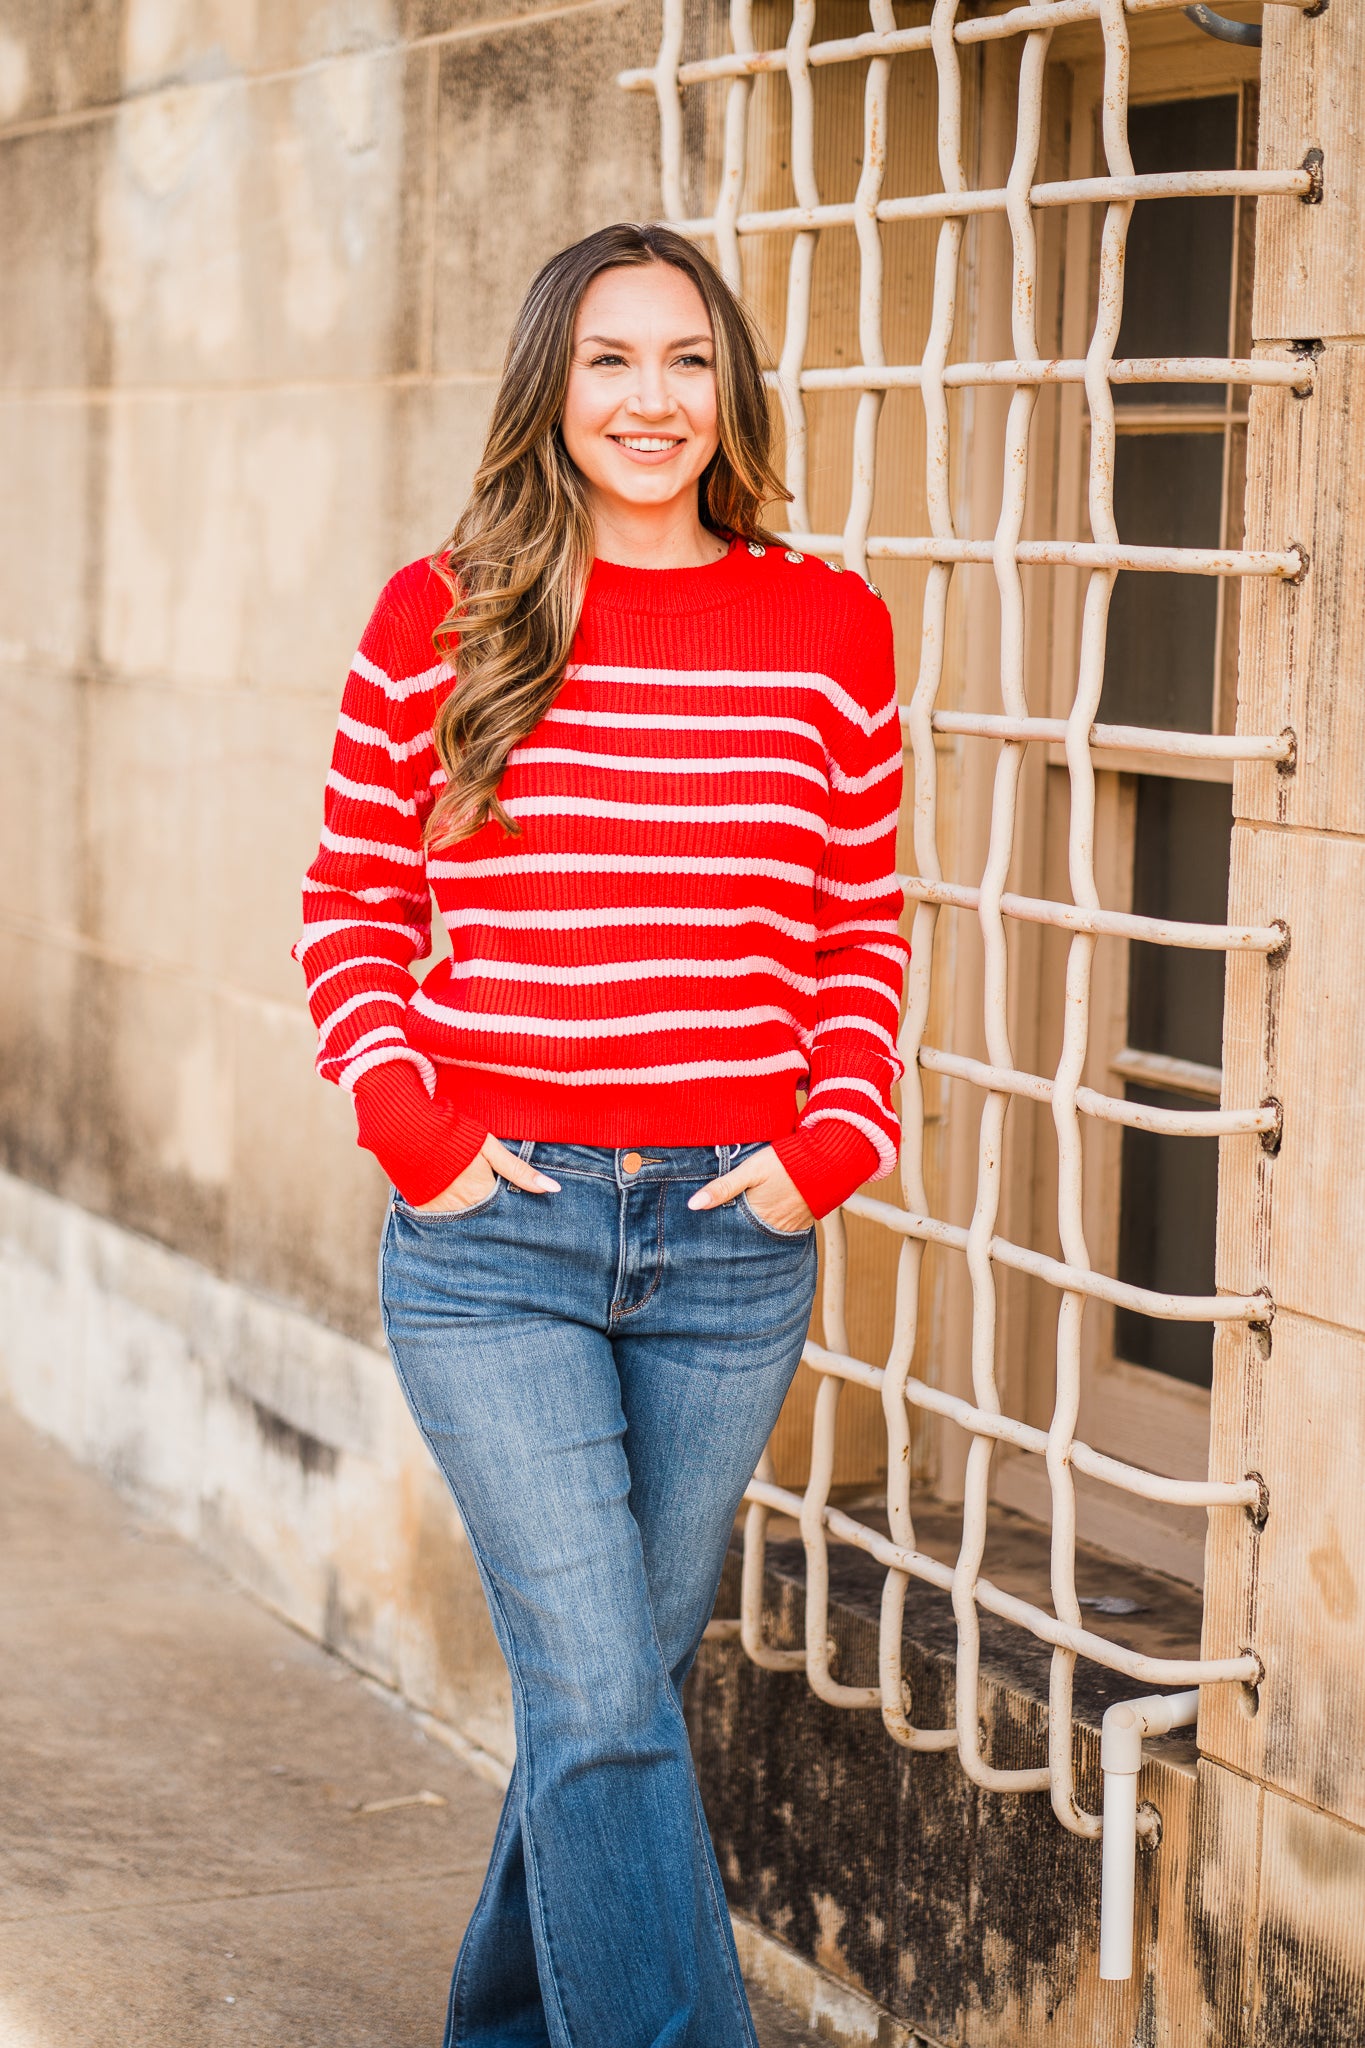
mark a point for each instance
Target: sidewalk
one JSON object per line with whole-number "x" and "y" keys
{"x": 211, "y": 1831}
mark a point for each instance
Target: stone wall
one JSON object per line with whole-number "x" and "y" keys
{"x": 261, "y": 257}
{"x": 261, "y": 261}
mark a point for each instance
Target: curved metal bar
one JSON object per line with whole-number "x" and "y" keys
{"x": 1294, "y": 371}
{"x": 1047, "y": 1628}
{"x": 1115, "y": 924}
{"x": 1143, "y": 1301}
{"x": 902, "y": 42}
{"x": 1066, "y": 554}
{"x": 1130, "y": 739}
{"x": 896, "y": 1412}
{"x": 1221, "y": 29}
{"x": 809, "y": 215}
{"x": 1136, "y": 1116}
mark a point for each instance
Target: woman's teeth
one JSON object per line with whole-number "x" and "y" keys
{"x": 644, "y": 444}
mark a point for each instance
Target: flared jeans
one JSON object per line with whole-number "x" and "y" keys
{"x": 596, "y": 1373}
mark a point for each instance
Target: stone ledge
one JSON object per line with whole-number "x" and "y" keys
{"x": 833, "y": 2011}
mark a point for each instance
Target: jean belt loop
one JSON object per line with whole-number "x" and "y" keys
{"x": 526, "y": 1148}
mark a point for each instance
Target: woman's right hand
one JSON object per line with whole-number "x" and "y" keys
{"x": 477, "y": 1181}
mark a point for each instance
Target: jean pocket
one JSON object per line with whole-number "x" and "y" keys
{"x": 803, "y": 1236}
{"x": 451, "y": 1215}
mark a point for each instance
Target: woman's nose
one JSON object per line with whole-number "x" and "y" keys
{"x": 651, "y": 398}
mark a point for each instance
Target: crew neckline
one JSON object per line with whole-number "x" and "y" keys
{"x": 700, "y": 588}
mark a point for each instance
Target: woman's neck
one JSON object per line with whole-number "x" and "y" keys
{"x": 654, "y": 536}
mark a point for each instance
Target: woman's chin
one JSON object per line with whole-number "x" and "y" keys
{"x": 647, "y": 489}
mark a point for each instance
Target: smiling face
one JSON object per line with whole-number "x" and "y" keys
{"x": 640, "y": 421}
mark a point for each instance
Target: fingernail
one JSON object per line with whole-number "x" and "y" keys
{"x": 545, "y": 1186}
{"x": 701, "y": 1200}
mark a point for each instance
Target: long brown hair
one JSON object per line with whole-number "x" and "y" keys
{"x": 518, "y": 560}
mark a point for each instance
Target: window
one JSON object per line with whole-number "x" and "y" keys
{"x": 1175, "y": 453}
{"x": 1178, "y": 479}
{"x": 1163, "y": 825}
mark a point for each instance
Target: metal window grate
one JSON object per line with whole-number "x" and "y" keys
{"x": 1013, "y": 728}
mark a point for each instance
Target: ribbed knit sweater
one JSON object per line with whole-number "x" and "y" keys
{"x": 697, "y": 918}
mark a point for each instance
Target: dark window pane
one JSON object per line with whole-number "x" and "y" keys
{"x": 1163, "y": 630}
{"x": 1167, "y": 1220}
{"x": 1168, "y": 1194}
{"x": 1159, "y": 671}
{"x": 1180, "y": 869}
{"x": 1178, "y": 274}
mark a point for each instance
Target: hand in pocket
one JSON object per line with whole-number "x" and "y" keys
{"x": 771, "y": 1192}
{"x": 480, "y": 1177}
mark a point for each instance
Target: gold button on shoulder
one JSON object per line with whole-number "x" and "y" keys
{"x": 632, "y": 1163}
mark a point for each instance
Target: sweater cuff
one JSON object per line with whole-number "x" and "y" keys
{"x": 422, "y": 1145}
{"x": 827, "y": 1162}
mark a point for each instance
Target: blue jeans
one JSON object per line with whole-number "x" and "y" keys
{"x": 596, "y": 1373}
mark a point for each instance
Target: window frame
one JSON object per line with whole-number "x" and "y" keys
{"x": 1128, "y": 1410}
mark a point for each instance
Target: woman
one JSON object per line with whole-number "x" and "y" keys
{"x": 648, "y": 762}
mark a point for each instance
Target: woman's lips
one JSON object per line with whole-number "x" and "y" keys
{"x": 647, "y": 448}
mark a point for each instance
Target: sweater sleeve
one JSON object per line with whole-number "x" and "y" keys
{"x": 848, "y": 1131}
{"x": 366, "y": 903}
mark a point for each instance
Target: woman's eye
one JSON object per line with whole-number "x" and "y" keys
{"x": 695, "y": 362}
{"x": 605, "y": 362}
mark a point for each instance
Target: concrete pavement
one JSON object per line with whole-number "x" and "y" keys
{"x": 211, "y": 1831}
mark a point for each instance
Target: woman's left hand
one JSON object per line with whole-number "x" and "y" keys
{"x": 772, "y": 1193}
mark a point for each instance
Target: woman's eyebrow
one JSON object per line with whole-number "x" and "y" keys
{"x": 610, "y": 341}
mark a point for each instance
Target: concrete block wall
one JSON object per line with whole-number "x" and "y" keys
{"x": 261, "y": 258}
{"x": 262, "y": 264}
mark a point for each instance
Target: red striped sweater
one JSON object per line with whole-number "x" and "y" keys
{"x": 698, "y": 917}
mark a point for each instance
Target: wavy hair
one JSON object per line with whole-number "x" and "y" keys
{"x": 519, "y": 558}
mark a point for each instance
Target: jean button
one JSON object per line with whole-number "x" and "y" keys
{"x": 632, "y": 1163}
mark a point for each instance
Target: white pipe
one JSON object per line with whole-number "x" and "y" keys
{"x": 1122, "y": 1731}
